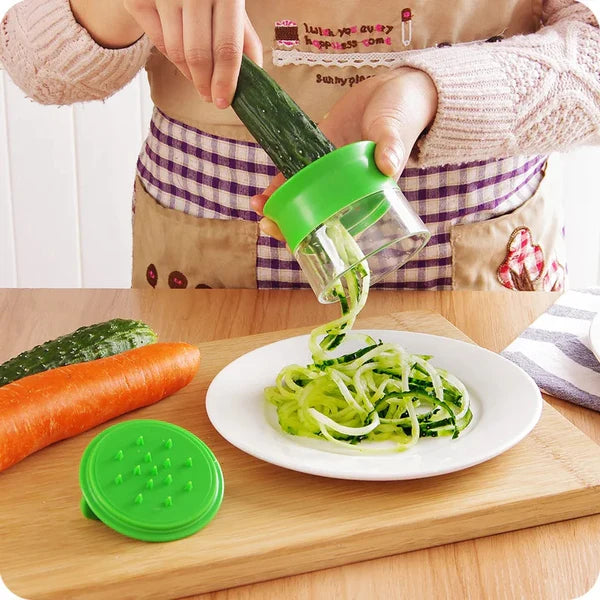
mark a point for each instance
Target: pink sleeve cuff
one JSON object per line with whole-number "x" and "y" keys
{"x": 529, "y": 94}
{"x": 54, "y": 60}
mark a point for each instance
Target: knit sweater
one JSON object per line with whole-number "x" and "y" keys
{"x": 532, "y": 94}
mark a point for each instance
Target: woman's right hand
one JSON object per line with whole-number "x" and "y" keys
{"x": 204, "y": 39}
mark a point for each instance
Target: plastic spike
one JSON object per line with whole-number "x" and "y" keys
{"x": 168, "y": 444}
{"x": 119, "y": 455}
{"x": 140, "y": 441}
{"x": 188, "y": 461}
{"x": 167, "y": 463}
{"x": 188, "y": 486}
{"x": 119, "y": 479}
{"x": 169, "y": 479}
{"x": 169, "y": 501}
{"x": 137, "y": 470}
{"x": 150, "y": 483}
{"x": 148, "y": 457}
{"x": 154, "y": 470}
{"x": 139, "y": 499}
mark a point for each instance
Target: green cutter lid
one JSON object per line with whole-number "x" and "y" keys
{"x": 327, "y": 185}
{"x": 150, "y": 480}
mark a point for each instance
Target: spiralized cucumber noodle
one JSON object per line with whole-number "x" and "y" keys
{"x": 380, "y": 392}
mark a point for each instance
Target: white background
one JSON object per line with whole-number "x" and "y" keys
{"x": 66, "y": 182}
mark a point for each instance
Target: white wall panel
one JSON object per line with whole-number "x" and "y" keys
{"x": 582, "y": 215}
{"x": 146, "y": 105}
{"x": 43, "y": 188}
{"x": 107, "y": 142}
{"x": 8, "y": 265}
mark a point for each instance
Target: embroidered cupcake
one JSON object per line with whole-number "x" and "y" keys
{"x": 286, "y": 33}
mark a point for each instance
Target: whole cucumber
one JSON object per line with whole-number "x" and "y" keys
{"x": 85, "y": 344}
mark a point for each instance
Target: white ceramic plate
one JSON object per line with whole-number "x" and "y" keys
{"x": 506, "y": 404}
{"x": 595, "y": 336}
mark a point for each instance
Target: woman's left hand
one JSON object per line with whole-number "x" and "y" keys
{"x": 391, "y": 110}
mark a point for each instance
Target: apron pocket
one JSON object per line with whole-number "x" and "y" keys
{"x": 174, "y": 250}
{"x": 523, "y": 250}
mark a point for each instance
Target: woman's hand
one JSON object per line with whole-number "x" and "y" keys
{"x": 391, "y": 110}
{"x": 205, "y": 39}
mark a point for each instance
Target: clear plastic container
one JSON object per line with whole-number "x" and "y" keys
{"x": 340, "y": 211}
{"x": 386, "y": 244}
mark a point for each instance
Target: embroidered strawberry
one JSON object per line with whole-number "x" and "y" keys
{"x": 177, "y": 280}
{"x": 554, "y": 279}
{"x": 524, "y": 262}
{"x": 152, "y": 275}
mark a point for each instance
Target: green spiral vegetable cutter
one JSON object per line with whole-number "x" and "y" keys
{"x": 150, "y": 480}
{"x": 341, "y": 210}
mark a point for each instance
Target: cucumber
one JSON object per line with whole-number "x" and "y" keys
{"x": 278, "y": 124}
{"x": 85, "y": 344}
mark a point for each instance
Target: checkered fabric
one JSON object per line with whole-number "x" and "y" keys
{"x": 213, "y": 177}
{"x": 525, "y": 263}
{"x": 524, "y": 258}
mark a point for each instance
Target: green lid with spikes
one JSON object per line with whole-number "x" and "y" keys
{"x": 150, "y": 480}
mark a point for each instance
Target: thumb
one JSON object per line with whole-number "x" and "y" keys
{"x": 390, "y": 151}
{"x": 394, "y": 137}
{"x": 394, "y": 119}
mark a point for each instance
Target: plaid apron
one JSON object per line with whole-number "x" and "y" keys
{"x": 199, "y": 167}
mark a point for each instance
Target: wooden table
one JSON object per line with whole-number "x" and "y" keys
{"x": 559, "y": 561}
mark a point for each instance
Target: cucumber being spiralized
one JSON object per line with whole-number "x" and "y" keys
{"x": 85, "y": 344}
{"x": 278, "y": 124}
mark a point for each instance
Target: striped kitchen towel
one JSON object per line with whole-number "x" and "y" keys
{"x": 556, "y": 350}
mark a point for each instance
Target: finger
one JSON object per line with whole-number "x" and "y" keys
{"x": 197, "y": 43}
{"x": 171, "y": 19}
{"x": 390, "y": 154}
{"x": 258, "y": 201}
{"x": 228, "y": 41}
{"x": 147, "y": 18}
{"x": 276, "y": 183}
{"x": 394, "y": 119}
{"x": 269, "y": 228}
{"x": 252, "y": 45}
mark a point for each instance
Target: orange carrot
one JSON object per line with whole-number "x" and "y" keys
{"x": 41, "y": 409}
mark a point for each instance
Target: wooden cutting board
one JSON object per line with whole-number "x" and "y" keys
{"x": 275, "y": 522}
